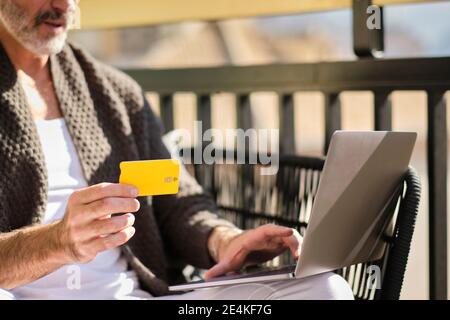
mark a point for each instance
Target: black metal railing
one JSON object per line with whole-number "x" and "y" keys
{"x": 381, "y": 77}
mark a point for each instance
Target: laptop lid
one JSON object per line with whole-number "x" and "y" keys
{"x": 359, "y": 184}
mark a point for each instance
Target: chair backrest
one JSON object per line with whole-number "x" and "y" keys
{"x": 250, "y": 199}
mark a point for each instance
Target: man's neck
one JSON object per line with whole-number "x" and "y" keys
{"x": 23, "y": 59}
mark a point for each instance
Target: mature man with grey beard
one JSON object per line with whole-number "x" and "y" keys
{"x": 67, "y": 230}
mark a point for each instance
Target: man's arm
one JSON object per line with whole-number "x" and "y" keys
{"x": 28, "y": 254}
{"x": 87, "y": 229}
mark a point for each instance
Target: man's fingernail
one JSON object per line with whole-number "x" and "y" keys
{"x": 134, "y": 192}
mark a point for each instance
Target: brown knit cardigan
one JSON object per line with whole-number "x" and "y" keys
{"x": 109, "y": 121}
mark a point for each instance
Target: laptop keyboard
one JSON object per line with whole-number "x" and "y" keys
{"x": 255, "y": 272}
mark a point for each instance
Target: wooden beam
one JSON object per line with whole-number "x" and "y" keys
{"x": 116, "y": 14}
{"x": 365, "y": 74}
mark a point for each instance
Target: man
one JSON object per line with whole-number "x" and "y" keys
{"x": 66, "y": 122}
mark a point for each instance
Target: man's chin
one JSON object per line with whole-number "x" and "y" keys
{"x": 47, "y": 47}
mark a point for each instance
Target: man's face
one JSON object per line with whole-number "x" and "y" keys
{"x": 41, "y": 26}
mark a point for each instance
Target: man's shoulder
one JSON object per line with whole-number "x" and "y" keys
{"x": 123, "y": 83}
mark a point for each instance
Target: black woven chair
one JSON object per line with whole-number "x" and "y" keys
{"x": 249, "y": 199}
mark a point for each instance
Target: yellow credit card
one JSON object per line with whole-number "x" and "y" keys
{"x": 151, "y": 177}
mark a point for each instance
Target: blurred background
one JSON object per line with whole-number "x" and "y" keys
{"x": 411, "y": 30}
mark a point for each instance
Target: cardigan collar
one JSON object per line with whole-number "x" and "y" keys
{"x": 22, "y": 159}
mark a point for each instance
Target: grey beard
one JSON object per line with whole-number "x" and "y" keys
{"x": 24, "y": 30}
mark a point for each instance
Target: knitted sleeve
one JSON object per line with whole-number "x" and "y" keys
{"x": 186, "y": 219}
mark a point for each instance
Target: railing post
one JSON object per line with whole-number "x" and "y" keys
{"x": 244, "y": 122}
{"x": 383, "y": 111}
{"x": 166, "y": 111}
{"x": 204, "y": 116}
{"x": 287, "y": 124}
{"x": 332, "y": 117}
{"x": 204, "y": 111}
{"x": 437, "y": 191}
{"x": 243, "y": 112}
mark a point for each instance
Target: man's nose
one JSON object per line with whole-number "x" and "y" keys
{"x": 64, "y": 5}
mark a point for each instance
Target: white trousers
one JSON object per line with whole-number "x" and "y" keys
{"x": 327, "y": 286}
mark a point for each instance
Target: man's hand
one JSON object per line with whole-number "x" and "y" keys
{"x": 255, "y": 246}
{"x": 88, "y": 228}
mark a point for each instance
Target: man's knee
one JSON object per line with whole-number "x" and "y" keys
{"x": 326, "y": 286}
{"x": 5, "y": 295}
{"x": 330, "y": 286}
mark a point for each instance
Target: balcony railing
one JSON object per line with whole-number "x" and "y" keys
{"x": 381, "y": 77}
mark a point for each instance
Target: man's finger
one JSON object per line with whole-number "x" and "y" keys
{"x": 272, "y": 230}
{"x": 294, "y": 245}
{"x": 103, "y": 190}
{"x": 113, "y": 241}
{"x": 219, "y": 269}
{"x": 109, "y": 226}
{"x": 108, "y": 206}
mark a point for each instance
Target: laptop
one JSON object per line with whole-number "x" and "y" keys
{"x": 356, "y": 197}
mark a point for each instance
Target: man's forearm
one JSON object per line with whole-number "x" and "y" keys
{"x": 28, "y": 254}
